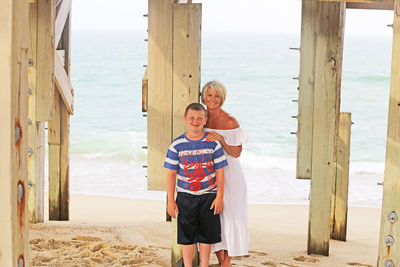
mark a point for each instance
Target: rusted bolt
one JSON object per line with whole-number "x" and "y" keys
{"x": 20, "y": 192}
{"x": 30, "y": 62}
{"x": 17, "y": 134}
{"x": 29, "y": 122}
{"x": 29, "y": 91}
{"x": 30, "y": 151}
{"x": 389, "y": 263}
{"x": 392, "y": 217}
{"x": 389, "y": 240}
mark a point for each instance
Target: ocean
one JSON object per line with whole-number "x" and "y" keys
{"x": 108, "y": 129}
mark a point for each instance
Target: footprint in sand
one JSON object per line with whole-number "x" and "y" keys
{"x": 305, "y": 259}
{"x": 359, "y": 264}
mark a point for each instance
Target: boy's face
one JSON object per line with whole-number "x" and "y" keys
{"x": 195, "y": 120}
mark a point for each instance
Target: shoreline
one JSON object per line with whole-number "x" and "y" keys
{"x": 104, "y": 231}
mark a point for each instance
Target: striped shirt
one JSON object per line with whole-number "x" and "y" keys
{"x": 195, "y": 162}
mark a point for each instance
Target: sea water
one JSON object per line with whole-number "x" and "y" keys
{"x": 108, "y": 129}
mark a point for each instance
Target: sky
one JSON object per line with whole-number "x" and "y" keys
{"x": 264, "y": 16}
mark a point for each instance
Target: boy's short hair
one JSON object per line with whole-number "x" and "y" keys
{"x": 197, "y": 107}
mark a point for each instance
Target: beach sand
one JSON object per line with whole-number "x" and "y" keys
{"x": 107, "y": 231}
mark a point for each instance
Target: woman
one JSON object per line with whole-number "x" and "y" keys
{"x": 225, "y": 128}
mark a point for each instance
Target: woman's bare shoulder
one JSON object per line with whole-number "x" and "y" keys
{"x": 229, "y": 122}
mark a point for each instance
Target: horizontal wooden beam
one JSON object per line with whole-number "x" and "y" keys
{"x": 360, "y": 1}
{"x": 63, "y": 84}
{"x": 377, "y": 6}
{"x": 61, "y": 19}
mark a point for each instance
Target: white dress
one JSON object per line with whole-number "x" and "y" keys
{"x": 234, "y": 225}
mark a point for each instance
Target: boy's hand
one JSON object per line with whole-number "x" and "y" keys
{"x": 218, "y": 205}
{"x": 172, "y": 209}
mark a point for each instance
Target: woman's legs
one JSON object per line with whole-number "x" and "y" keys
{"x": 220, "y": 255}
{"x": 227, "y": 260}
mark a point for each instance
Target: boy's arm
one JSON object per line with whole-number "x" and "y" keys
{"x": 218, "y": 203}
{"x": 171, "y": 181}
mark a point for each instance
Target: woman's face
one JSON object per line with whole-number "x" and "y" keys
{"x": 212, "y": 99}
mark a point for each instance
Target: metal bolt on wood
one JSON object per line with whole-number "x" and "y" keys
{"x": 29, "y": 122}
{"x": 389, "y": 263}
{"x": 295, "y": 100}
{"x": 296, "y": 78}
{"x": 30, "y": 62}
{"x": 392, "y": 217}
{"x": 30, "y": 151}
{"x": 145, "y": 15}
{"x": 389, "y": 240}
{"x": 294, "y": 48}
{"x": 29, "y": 91}
{"x": 294, "y": 117}
{"x": 30, "y": 184}
{"x": 21, "y": 262}
{"x": 293, "y": 132}
{"x": 20, "y": 192}
{"x": 390, "y": 25}
{"x": 17, "y": 134}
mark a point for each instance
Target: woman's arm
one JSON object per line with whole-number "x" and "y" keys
{"x": 228, "y": 124}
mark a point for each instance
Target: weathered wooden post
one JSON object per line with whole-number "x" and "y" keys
{"x": 340, "y": 203}
{"x": 305, "y": 114}
{"x": 389, "y": 240}
{"x": 173, "y": 76}
{"x": 36, "y": 131}
{"x": 14, "y": 32}
{"x": 59, "y": 123}
{"x": 328, "y": 55}
{"x": 185, "y": 80}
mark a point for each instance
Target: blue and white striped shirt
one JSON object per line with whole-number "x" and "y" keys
{"x": 195, "y": 162}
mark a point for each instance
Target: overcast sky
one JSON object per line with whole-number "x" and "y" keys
{"x": 223, "y": 15}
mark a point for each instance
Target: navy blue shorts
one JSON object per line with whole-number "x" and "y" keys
{"x": 196, "y": 221}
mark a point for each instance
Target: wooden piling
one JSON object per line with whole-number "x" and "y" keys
{"x": 340, "y": 203}
{"x": 45, "y": 59}
{"x": 186, "y": 82}
{"x": 305, "y": 114}
{"x": 36, "y": 131}
{"x": 159, "y": 114}
{"x": 389, "y": 240}
{"x": 14, "y": 32}
{"x": 328, "y": 29}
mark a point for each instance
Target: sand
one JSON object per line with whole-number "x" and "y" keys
{"x": 106, "y": 231}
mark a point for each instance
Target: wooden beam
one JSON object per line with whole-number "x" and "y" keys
{"x": 65, "y": 114}
{"x": 145, "y": 90}
{"x": 305, "y": 114}
{"x": 14, "y": 32}
{"x": 35, "y": 132}
{"x": 340, "y": 205}
{"x": 64, "y": 84}
{"x": 159, "y": 118}
{"x": 45, "y": 59}
{"x": 186, "y": 81}
{"x": 376, "y": 6}
{"x": 390, "y": 225}
{"x": 61, "y": 19}
{"x": 328, "y": 29}
{"x": 54, "y": 139}
{"x": 359, "y": 1}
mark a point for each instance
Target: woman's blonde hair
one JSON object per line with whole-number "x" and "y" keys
{"x": 218, "y": 86}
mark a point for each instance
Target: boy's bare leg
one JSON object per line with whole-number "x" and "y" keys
{"x": 227, "y": 259}
{"x": 220, "y": 255}
{"x": 187, "y": 254}
{"x": 205, "y": 250}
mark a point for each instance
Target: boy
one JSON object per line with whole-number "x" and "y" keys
{"x": 197, "y": 164}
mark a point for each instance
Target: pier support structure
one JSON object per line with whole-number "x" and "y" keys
{"x": 173, "y": 79}
{"x": 14, "y": 132}
{"x": 389, "y": 240}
